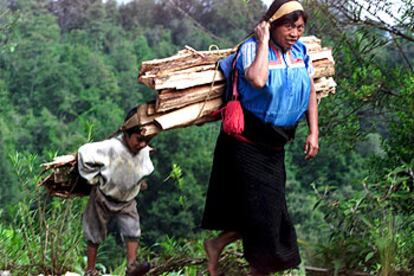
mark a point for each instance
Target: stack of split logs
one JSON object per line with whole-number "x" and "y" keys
{"x": 189, "y": 90}
{"x": 64, "y": 179}
{"x": 189, "y": 86}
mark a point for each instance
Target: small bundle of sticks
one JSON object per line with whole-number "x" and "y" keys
{"x": 64, "y": 180}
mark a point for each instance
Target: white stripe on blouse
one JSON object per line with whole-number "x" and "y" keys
{"x": 248, "y": 52}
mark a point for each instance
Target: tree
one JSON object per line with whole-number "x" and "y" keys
{"x": 9, "y": 190}
{"x": 176, "y": 191}
{"x": 371, "y": 98}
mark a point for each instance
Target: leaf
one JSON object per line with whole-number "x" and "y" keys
{"x": 317, "y": 204}
{"x": 182, "y": 200}
{"x": 369, "y": 256}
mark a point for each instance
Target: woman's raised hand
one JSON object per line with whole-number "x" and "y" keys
{"x": 262, "y": 32}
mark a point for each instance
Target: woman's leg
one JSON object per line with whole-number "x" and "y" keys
{"x": 215, "y": 246}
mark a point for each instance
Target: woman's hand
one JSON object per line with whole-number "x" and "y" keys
{"x": 262, "y": 32}
{"x": 311, "y": 146}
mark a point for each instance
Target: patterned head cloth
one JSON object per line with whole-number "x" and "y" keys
{"x": 285, "y": 9}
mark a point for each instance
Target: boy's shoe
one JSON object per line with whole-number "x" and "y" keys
{"x": 137, "y": 269}
{"x": 92, "y": 272}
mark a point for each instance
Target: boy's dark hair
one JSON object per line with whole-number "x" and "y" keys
{"x": 131, "y": 113}
{"x": 135, "y": 129}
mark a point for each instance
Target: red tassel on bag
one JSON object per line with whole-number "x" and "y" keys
{"x": 232, "y": 113}
{"x": 233, "y": 118}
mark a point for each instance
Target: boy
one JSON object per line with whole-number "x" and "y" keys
{"x": 116, "y": 168}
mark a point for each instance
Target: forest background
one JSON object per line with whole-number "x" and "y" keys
{"x": 68, "y": 74}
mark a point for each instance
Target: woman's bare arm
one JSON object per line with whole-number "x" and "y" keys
{"x": 312, "y": 141}
{"x": 257, "y": 72}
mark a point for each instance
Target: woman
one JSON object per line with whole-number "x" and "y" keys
{"x": 246, "y": 194}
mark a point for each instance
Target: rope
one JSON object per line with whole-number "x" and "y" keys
{"x": 211, "y": 86}
{"x": 176, "y": 6}
{"x": 214, "y": 47}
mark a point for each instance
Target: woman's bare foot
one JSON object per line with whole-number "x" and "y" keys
{"x": 213, "y": 252}
{"x": 215, "y": 246}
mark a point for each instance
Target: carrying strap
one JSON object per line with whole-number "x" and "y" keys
{"x": 235, "y": 76}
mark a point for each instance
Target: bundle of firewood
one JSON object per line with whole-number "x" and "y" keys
{"x": 189, "y": 86}
{"x": 189, "y": 89}
{"x": 64, "y": 179}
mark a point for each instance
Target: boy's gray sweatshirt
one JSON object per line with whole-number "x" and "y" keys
{"x": 114, "y": 168}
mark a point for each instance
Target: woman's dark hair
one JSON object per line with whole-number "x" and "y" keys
{"x": 135, "y": 129}
{"x": 288, "y": 18}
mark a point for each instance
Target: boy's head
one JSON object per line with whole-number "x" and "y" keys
{"x": 132, "y": 132}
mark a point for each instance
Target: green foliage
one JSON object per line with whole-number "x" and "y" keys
{"x": 174, "y": 201}
{"x": 366, "y": 198}
{"x": 371, "y": 225}
{"x": 43, "y": 233}
{"x": 402, "y": 123}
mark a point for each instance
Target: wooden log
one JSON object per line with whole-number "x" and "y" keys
{"x": 146, "y": 113}
{"x": 312, "y": 48}
{"x": 150, "y": 130}
{"x": 196, "y": 75}
{"x": 324, "y": 53}
{"x": 325, "y": 86}
{"x": 151, "y": 108}
{"x": 205, "y": 119}
{"x": 325, "y": 93}
{"x": 183, "y": 60}
{"x": 59, "y": 161}
{"x": 188, "y": 114}
{"x": 312, "y": 43}
{"x": 194, "y": 68}
{"x": 310, "y": 39}
{"x": 323, "y": 68}
{"x": 315, "y": 271}
{"x": 172, "y": 99}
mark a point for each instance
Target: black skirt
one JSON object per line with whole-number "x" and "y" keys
{"x": 246, "y": 194}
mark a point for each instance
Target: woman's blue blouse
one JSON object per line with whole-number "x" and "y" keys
{"x": 285, "y": 97}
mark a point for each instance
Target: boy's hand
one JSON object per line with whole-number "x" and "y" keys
{"x": 144, "y": 185}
